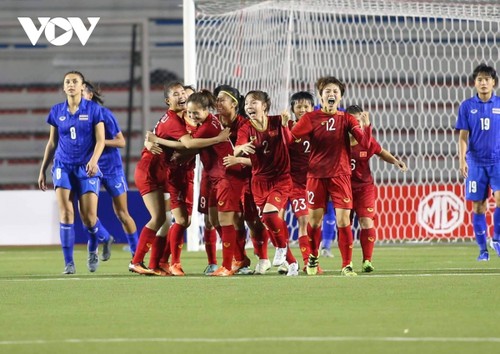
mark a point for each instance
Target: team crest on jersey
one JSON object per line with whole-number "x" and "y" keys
{"x": 278, "y": 199}
{"x": 221, "y": 203}
{"x": 363, "y": 154}
{"x": 495, "y": 111}
{"x": 347, "y": 200}
{"x": 62, "y": 118}
{"x": 370, "y": 209}
{"x": 83, "y": 117}
{"x": 473, "y": 111}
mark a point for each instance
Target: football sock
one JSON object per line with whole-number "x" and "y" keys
{"x": 239, "y": 249}
{"x": 228, "y": 244}
{"x": 67, "y": 236}
{"x": 132, "y": 240}
{"x": 367, "y": 240}
{"x": 157, "y": 249}
{"x": 305, "y": 248}
{"x": 146, "y": 239}
{"x": 93, "y": 239}
{"x": 100, "y": 231}
{"x": 345, "y": 241}
{"x": 314, "y": 234}
{"x": 479, "y": 225}
{"x": 210, "y": 239}
{"x": 275, "y": 225}
{"x": 496, "y": 224}
{"x": 176, "y": 241}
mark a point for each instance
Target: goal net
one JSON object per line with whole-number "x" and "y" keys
{"x": 406, "y": 62}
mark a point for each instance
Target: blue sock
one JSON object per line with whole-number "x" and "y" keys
{"x": 67, "y": 236}
{"x": 479, "y": 225}
{"x": 93, "y": 242}
{"x": 496, "y": 224}
{"x": 329, "y": 226}
{"x": 101, "y": 232}
{"x": 132, "y": 241}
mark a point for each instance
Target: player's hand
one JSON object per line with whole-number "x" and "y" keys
{"x": 364, "y": 119}
{"x": 285, "y": 117}
{"x": 230, "y": 160}
{"x": 151, "y": 137}
{"x": 42, "y": 182}
{"x": 464, "y": 169}
{"x": 92, "y": 168}
{"x": 248, "y": 148}
{"x": 224, "y": 135}
{"x": 154, "y": 148}
{"x": 402, "y": 166}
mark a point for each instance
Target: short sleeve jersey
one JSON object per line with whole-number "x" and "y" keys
{"x": 299, "y": 150}
{"x": 360, "y": 163}
{"x": 170, "y": 127}
{"x": 271, "y": 159}
{"x": 329, "y": 138}
{"x": 76, "y": 131}
{"x": 110, "y": 161}
{"x": 212, "y": 156}
{"x": 482, "y": 121}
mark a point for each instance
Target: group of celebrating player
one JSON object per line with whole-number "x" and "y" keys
{"x": 254, "y": 164}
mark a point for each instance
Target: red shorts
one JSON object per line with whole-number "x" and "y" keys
{"x": 298, "y": 201}
{"x": 179, "y": 184}
{"x": 229, "y": 194}
{"x": 337, "y": 188}
{"x": 149, "y": 174}
{"x": 207, "y": 198}
{"x": 274, "y": 192}
{"x": 364, "y": 201}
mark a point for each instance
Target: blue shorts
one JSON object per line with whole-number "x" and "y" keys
{"x": 74, "y": 178}
{"x": 479, "y": 180}
{"x": 115, "y": 184}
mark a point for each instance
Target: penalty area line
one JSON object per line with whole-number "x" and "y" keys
{"x": 258, "y": 339}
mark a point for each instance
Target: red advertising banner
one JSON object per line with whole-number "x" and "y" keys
{"x": 424, "y": 212}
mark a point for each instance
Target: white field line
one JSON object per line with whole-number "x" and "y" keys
{"x": 109, "y": 276}
{"x": 257, "y": 339}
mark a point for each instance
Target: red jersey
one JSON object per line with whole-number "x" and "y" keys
{"x": 234, "y": 127}
{"x": 299, "y": 150}
{"x": 170, "y": 127}
{"x": 271, "y": 159}
{"x": 329, "y": 137}
{"x": 361, "y": 173}
{"x": 212, "y": 156}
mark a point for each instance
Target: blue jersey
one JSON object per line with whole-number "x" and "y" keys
{"x": 482, "y": 120}
{"x": 110, "y": 162}
{"x": 76, "y": 131}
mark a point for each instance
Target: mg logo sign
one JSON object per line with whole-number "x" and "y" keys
{"x": 48, "y": 26}
{"x": 441, "y": 212}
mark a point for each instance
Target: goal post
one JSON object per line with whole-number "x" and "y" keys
{"x": 406, "y": 62}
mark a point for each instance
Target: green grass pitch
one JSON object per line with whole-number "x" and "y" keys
{"x": 420, "y": 299}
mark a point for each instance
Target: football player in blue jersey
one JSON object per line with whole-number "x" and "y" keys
{"x": 479, "y": 154}
{"x": 110, "y": 164}
{"x": 76, "y": 142}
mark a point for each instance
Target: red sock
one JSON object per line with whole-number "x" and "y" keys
{"x": 345, "y": 241}
{"x": 176, "y": 241}
{"x": 241, "y": 240}
{"x": 314, "y": 234}
{"x": 166, "y": 249}
{"x": 275, "y": 225}
{"x": 228, "y": 244}
{"x": 305, "y": 248}
{"x": 367, "y": 239}
{"x": 210, "y": 238}
{"x": 157, "y": 252}
{"x": 146, "y": 239}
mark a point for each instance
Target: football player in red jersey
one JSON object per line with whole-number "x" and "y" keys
{"x": 329, "y": 172}
{"x": 265, "y": 140}
{"x": 363, "y": 187}
{"x": 300, "y": 103}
